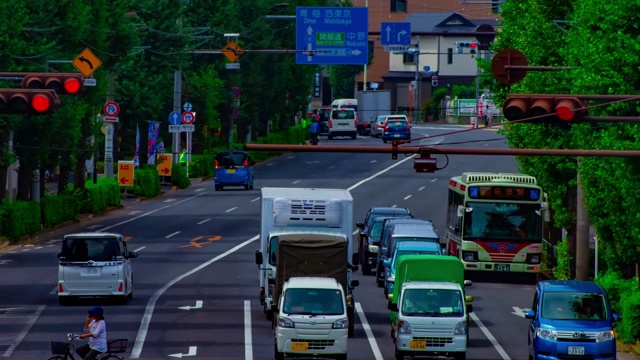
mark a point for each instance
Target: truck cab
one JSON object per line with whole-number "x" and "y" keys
{"x": 571, "y": 319}
{"x": 312, "y": 319}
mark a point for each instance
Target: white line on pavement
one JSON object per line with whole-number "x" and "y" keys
{"x": 148, "y": 312}
{"x": 434, "y": 180}
{"x": 330, "y": 167}
{"x": 248, "y": 338}
{"x": 367, "y": 330}
{"x": 372, "y": 161}
{"x": 256, "y": 199}
{"x": 407, "y": 197}
{"x": 421, "y": 188}
{"x": 203, "y": 221}
{"x": 489, "y": 336}
{"x": 172, "y": 234}
{"x": 230, "y": 210}
{"x": 170, "y": 200}
{"x": 150, "y": 212}
{"x": 54, "y": 291}
{"x": 201, "y": 189}
{"x": 139, "y": 249}
{"x": 24, "y": 331}
{"x": 295, "y": 182}
{"x": 394, "y": 205}
{"x": 380, "y": 173}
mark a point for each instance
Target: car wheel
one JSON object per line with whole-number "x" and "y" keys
{"x": 278, "y": 355}
{"x": 246, "y": 187}
{"x": 64, "y": 300}
{"x": 217, "y": 188}
{"x": 329, "y": 137}
{"x": 250, "y": 187}
{"x": 366, "y": 270}
{"x": 353, "y": 137}
{"x": 384, "y": 141}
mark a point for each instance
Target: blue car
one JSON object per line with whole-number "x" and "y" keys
{"x": 396, "y": 129}
{"x": 571, "y": 319}
{"x": 233, "y": 168}
{"x": 406, "y": 248}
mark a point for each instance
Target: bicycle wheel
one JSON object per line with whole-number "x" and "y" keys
{"x": 57, "y": 357}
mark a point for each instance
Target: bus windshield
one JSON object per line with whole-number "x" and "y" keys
{"x": 500, "y": 221}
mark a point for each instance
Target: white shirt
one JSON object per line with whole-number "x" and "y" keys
{"x": 99, "y": 339}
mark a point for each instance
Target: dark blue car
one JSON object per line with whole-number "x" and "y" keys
{"x": 396, "y": 130}
{"x": 233, "y": 168}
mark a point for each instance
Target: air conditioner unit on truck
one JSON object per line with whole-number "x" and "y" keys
{"x": 293, "y": 211}
{"x": 313, "y": 295}
{"x": 429, "y": 309}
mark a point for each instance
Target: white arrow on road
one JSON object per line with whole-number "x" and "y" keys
{"x": 4, "y": 262}
{"x": 518, "y": 311}
{"x": 198, "y": 306}
{"x": 388, "y": 30}
{"x": 403, "y": 32}
{"x": 192, "y": 352}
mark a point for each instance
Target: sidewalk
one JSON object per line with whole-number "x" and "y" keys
{"x": 626, "y": 356}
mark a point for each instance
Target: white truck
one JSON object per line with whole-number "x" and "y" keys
{"x": 298, "y": 211}
{"x": 372, "y": 103}
{"x": 314, "y": 296}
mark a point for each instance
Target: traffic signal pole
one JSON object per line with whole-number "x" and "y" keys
{"x": 582, "y": 232}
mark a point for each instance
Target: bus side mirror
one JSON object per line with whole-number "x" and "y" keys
{"x": 468, "y": 283}
{"x": 259, "y": 259}
{"x": 460, "y": 211}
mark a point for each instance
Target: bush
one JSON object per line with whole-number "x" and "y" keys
{"x": 97, "y": 197}
{"x": 20, "y": 218}
{"x": 179, "y": 177}
{"x": 57, "y": 209}
{"x": 629, "y": 328}
{"x": 201, "y": 166}
{"x": 147, "y": 182}
{"x": 562, "y": 271}
{"x": 616, "y": 287}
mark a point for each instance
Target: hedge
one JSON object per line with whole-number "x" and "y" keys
{"x": 147, "y": 182}
{"x": 20, "y": 218}
{"x": 57, "y": 209}
{"x": 624, "y": 297}
{"x": 179, "y": 177}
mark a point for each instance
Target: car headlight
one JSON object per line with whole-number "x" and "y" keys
{"x": 546, "y": 334}
{"x": 461, "y": 328}
{"x": 391, "y": 278}
{"x": 404, "y": 327}
{"x": 285, "y": 323}
{"x": 605, "y": 336}
{"x": 340, "y": 324}
{"x": 373, "y": 248}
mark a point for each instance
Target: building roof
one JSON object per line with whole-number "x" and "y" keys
{"x": 444, "y": 22}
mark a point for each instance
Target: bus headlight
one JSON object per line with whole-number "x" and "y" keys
{"x": 469, "y": 255}
{"x": 373, "y": 248}
{"x": 533, "y": 258}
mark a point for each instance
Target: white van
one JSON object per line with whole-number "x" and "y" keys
{"x": 343, "y": 122}
{"x": 345, "y": 103}
{"x": 95, "y": 265}
{"x": 312, "y": 319}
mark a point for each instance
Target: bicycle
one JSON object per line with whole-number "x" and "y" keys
{"x": 64, "y": 350}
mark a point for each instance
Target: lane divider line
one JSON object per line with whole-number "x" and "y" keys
{"x": 24, "y": 331}
{"x": 380, "y": 172}
{"x": 421, "y": 188}
{"x": 140, "y": 248}
{"x": 367, "y": 330}
{"x": 233, "y": 208}
{"x": 407, "y": 197}
{"x": 295, "y": 182}
{"x": 256, "y": 199}
{"x": 204, "y": 221}
{"x": 172, "y": 235}
{"x": 434, "y": 180}
{"x": 487, "y": 333}
{"x": 248, "y": 338}
{"x": 151, "y": 305}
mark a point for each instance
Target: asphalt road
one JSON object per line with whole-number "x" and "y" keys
{"x": 197, "y": 250}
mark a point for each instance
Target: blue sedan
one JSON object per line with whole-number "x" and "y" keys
{"x": 396, "y": 130}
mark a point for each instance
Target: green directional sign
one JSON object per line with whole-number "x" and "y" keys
{"x": 330, "y": 39}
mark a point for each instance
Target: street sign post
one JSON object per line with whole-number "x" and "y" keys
{"x": 332, "y": 35}
{"x": 175, "y": 118}
{"x": 235, "y": 113}
{"x": 86, "y": 62}
{"x": 235, "y": 92}
{"x": 395, "y": 33}
{"x": 181, "y": 128}
{"x": 232, "y": 51}
{"x": 187, "y": 106}
{"x": 125, "y": 173}
{"x": 188, "y": 118}
{"x": 165, "y": 164}
{"x": 232, "y": 66}
{"x": 111, "y": 108}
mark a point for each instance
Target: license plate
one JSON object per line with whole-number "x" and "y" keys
{"x": 299, "y": 346}
{"x": 576, "y": 350}
{"x": 417, "y": 344}
{"x": 502, "y": 267}
{"x": 396, "y": 135}
{"x": 91, "y": 271}
{"x": 231, "y": 171}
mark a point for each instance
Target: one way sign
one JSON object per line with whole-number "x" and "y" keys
{"x": 395, "y": 33}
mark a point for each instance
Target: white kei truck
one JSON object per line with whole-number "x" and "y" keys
{"x": 294, "y": 211}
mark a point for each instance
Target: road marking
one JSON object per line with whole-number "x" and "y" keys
{"x": 25, "y": 331}
{"x": 38, "y": 247}
{"x": 23, "y": 250}
{"x": 4, "y": 262}
{"x": 355, "y": 232}
{"x": 248, "y": 338}
{"x": 230, "y": 210}
{"x": 140, "y": 248}
{"x": 367, "y": 330}
{"x": 380, "y": 172}
{"x": 373, "y": 161}
{"x": 421, "y": 188}
{"x": 519, "y": 311}
{"x": 170, "y": 200}
{"x": 407, "y": 197}
{"x": 313, "y": 162}
{"x": 194, "y": 242}
{"x": 193, "y": 351}
{"x": 150, "y": 212}
{"x": 172, "y": 234}
{"x": 434, "y": 180}
{"x": 198, "y": 305}
{"x": 394, "y": 205}
{"x": 295, "y": 182}
{"x": 489, "y": 336}
{"x": 289, "y": 157}
{"x": 93, "y": 227}
{"x": 330, "y": 167}
{"x": 54, "y": 291}
{"x": 148, "y": 312}
{"x": 203, "y": 221}
{"x": 201, "y": 189}
{"x": 270, "y": 164}
{"x": 256, "y": 199}
{"x": 135, "y": 212}
{"x": 143, "y": 330}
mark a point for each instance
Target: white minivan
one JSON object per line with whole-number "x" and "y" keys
{"x": 343, "y": 122}
{"x": 95, "y": 265}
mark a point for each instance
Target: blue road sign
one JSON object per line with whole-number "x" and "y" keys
{"x": 395, "y": 33}
{"x": 187, "y": 106}
{"x": 175, "y": 118}
{"x": 332, "y": 35}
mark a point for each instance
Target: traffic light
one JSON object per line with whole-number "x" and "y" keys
{"x": 28, "y": 101}
{"x": 425, "y": 163}
{"x": 461, "y": 45}
{"x": 563, "y": 108}
{"x": 434, "y": 81}
{"x": 61, "y": 83}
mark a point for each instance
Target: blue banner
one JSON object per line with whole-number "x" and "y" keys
{"x": 154, "y": 129}
{"x": 136, "y": 157}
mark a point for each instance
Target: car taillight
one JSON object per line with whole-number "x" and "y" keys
{"x": 380, "y": 126}
{"x": 216, "y": 164}
{"x": 355, "y": 123}
{"x": 246, "y": 162}
{"x": 330, "y": 123}
{"x": 408, "y": 128}
{"x": 386, "y": 128}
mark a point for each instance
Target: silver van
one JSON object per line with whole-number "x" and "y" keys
{"x": 95, "y": 265}
{"x": 343, "y": 122}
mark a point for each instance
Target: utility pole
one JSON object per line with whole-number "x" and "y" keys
{"x": 110, "y": 130}
{"x": 177, "y": 101}
{"x": 582, "y": 233}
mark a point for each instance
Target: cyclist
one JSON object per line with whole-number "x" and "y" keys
{"x": 96, "y": 330}
{"x": 314, "y": 130}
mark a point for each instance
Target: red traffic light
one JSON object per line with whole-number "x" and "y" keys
{"x": 473, "y": 45}
{"x": 543, "y": 108}
{"x": 61, "y": 83}
{"x": 28, "y": 101}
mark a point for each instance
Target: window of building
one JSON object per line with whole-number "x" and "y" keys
{"x": 408, "y": 58}
{"x": 398, "y": 5}
{"x": 449, "y": 56}
{"x": 495, "y": 6}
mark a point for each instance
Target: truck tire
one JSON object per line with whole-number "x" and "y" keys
{"x": 460, "y": 356}
{"x": 269, "y": 315}
{"x": 399, "y": 355}
{"x": 341, "y": 357}
{"x": 353, "y": 137}
{"x": 352, "y": 321}
{"x": 277, "y": 355}
{"x": 329, "y": 137}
